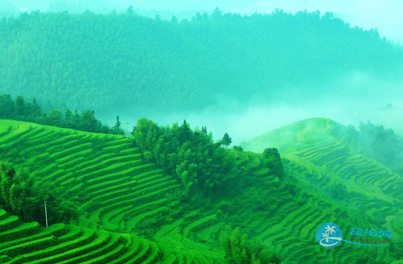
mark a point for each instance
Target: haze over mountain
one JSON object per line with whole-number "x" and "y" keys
{"x": 283, "y": 87}
{"x": 214, "y": 70}
{"x": 383, "y": 15}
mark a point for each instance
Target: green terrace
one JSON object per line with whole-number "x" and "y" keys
{"x": 60, "y": 243}
{"x": 132, "y": 212}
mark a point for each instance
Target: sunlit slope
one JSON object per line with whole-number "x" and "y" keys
{"x": 60, "y": 243}
{"x": 318, "y": 153}
{"x": 121, "y": 192}
{"x": 102, "y": 170}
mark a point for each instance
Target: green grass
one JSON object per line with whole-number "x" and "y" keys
{"x": 134, "y": 221}
{"x": 197, "y": 223}
{"x": 9, "y": 223}
{"x": 126, "y": 194}
{"x": 57, "y": 228}
{"x": 61, "y": 251}
{"x": 23, "y": 230}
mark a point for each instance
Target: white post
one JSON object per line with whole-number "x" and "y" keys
{"x": 46, "y": 216}
{"x": 127, "y": 129}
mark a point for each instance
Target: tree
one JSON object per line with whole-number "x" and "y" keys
{"x": 76, "y": 119}
{"x": 20, "y": 106}
{"x": 88, "y": 121}
{"x": 381, "y": 144}
{"x": 22, "y": 194}
{"x": 117, "y": 129}
{"x": 68, "y": 118}
{"x": 271, "y": 152}
{"x": 226, "y": 140}
{"x": 34, "y": 110}
{"x": 274, "y": 161}
{"x": 53, "y": 117}
{"x": 239, "y": 250}
{"x": 130, "y": 10}
{"x": 204, "y": 130}
{"x": 185, "y": 132}
{"x": 238, "y": 148}
{"x": 6, "y": 106}
{"x": 217, "y": 14}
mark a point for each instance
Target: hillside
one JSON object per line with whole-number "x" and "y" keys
{"x": 131, "y": 210}
{"x": 126, "y": 61}
{"x": 117, "y": 191}
{"x": 319, "y": 154}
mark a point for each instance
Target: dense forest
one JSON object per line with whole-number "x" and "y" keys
{"x": 377, "y": 142}
{"x": 20, "y": 109}
{"x": 203, "y": 166}
{"x": 24, "y": 195}
{"x": 104, "y": 62}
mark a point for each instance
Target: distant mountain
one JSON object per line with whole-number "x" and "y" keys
{"x": 126, "y": 62}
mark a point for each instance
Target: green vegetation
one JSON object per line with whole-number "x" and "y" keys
{"x": 328, "y": 159}
{"x": 18, "y": 109}
{"x": 171, "y": 194}
{"x": 120, "y": 192}
{"x": 24, "y": 196}
{"x": 111, "y": 61}
{"x": 382, "y": 144}
{"x": 132, "y": 210}
{"x": 226, "y": 140}
{"x": 201, "y": 165}
{"x": 239, "y": 250}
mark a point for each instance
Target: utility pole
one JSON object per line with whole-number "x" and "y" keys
{"x": 127, "y": 129}
{"x": 46, "y": 216}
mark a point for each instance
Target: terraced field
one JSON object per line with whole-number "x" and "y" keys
{"x": 125, "y": 194}
{"x": 354, "y": 186}
{"x": 29, "y": 243}
{"x": 126, "y": 197}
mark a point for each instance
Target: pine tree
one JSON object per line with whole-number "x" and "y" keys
{"x": 68, "y": 118}
{"x": 6, "y": 106}
{"x": 34, "y": 110}
{"x": 226, "y": 140}
{"x": 20, "y": 106}
{"x": 88, "y": 121}
{"x": 185, "y": 132}
{"x": 76, "y": 120}
{"x": 117, "y": 129}
{"x": 53, "y": 117}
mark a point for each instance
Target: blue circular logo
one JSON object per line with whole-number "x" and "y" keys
{"x": 328, "y": 235}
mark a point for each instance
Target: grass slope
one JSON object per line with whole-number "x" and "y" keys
{"x": 123, "y": 195}
{"x": 319, "y": 158}
{"x": 121, "y": 192}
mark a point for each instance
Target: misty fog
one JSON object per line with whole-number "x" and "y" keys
{"x": 352, "y": 99}
{"x": 355, "y": 98}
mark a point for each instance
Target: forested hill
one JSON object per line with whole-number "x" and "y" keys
{"x": 115, "y": 61}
